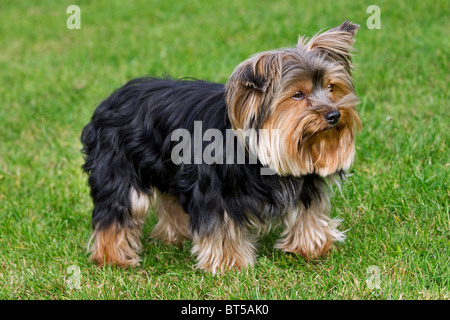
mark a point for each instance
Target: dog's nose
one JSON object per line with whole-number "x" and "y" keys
{"x": 333, "y": 117}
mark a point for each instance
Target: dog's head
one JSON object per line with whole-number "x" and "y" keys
{"x": 301, "y": 101}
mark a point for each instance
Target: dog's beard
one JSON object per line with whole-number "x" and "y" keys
{"x": 304, "y": 143}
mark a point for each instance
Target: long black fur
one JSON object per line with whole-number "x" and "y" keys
{"x": 128, "y": 144}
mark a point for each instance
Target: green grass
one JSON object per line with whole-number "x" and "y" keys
{"x": 396, "y": 205}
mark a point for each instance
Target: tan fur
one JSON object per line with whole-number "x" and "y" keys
{"x": 116, "y": 246}
{"x": 229, "y": 246}
{"x": 299, "y": 143}
{"x": 244, "y": 97}
{"x": 120, "y": 245}
{"x": 336, "y": 43}
{"x": 173, "y": 222}
{"x": 310, "y": 232}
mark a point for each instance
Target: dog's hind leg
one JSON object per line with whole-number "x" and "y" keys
{"x": 117, "y": 242}
{"x": 120, "y": 206}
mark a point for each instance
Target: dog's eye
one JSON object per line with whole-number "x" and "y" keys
{"x": 298, "y": 96}
{"x": 330, "y": 87}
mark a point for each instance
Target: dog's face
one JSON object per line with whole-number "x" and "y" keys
{"x": 303, "y": 98}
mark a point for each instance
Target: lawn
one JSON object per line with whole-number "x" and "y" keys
{"x": 395, "y": 205}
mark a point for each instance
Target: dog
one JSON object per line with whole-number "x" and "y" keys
{"x": 284, "y": 126}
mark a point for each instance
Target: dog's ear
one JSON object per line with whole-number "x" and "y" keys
{"x": 251, "y": 87}
{"x": 259, "y": 71}
{"x": 335, "y": 44}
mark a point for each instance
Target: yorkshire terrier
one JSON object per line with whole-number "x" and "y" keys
{"x": 292, "y": 115}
